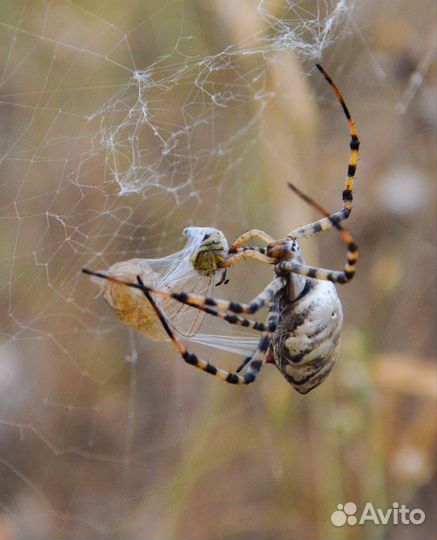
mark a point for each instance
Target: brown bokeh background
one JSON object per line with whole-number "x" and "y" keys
{"x": 105, "y": 434}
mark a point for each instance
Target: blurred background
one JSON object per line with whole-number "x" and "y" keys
{"x": 120, "y": 126}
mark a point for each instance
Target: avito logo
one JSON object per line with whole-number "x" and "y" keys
{"x": 397, "y": 514}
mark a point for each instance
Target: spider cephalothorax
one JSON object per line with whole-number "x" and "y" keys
{"x": 302, "y": 331}
{"x": 284, "y": 250}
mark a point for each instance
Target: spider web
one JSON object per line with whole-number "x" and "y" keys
{"x": 121, "y": 126}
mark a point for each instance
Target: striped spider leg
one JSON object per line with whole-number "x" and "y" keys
{"x": 217, "y": 308}
{"x": 254, "y": 363}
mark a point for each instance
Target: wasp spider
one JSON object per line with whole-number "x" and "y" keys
{"x": 302, "y": 332}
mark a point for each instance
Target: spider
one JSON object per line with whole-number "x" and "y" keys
{"x": 301, "y": 335}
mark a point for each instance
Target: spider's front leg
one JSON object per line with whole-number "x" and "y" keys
{"x": 196, "y": 300}
{"x": 238, "y": 252}
{"x": 242, "y": 254}
{"x": 213, "y": 255}
{"x": 253, "y": 233}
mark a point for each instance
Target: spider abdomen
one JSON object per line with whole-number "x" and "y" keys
{"x": 307, "y": 339}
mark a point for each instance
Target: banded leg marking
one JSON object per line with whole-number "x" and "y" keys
{"x": 224, "y": 305}
{"x": 354, "y": 144}
{"x": 196, "y": 300}
{"x": 324, "y": 224}
{"x": 329, "y": 221}
{"x": 254, "y": 366}
{"x": 232, "y": 318}
{"x": 272, "y": 324}
{"x": 342, "y": 276}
